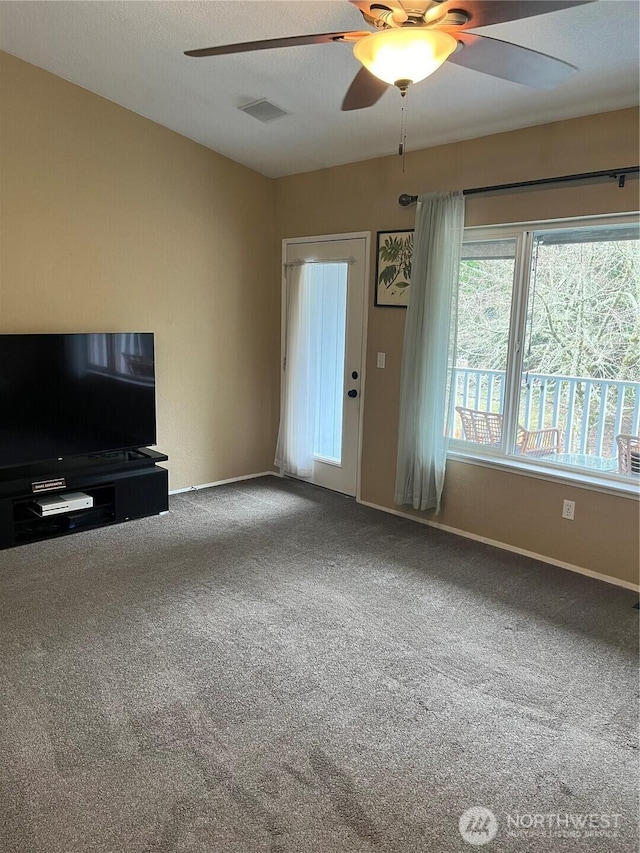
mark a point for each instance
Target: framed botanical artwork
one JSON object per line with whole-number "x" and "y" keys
{"x": 394, "y": 252}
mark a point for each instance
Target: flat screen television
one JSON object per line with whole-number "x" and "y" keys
{"x": 75, "y": 395}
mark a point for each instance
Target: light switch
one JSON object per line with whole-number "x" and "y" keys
{"x": 382, "y": 357}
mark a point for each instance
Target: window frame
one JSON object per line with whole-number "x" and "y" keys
{"x": 499, "y": 457}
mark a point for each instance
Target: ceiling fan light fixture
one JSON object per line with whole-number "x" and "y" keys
{"x": 404, "y": 55}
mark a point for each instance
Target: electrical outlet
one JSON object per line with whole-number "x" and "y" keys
{"x": 569, "y": 510}
{"x": 382, "y": 359}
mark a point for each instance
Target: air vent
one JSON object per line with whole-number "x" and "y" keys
{"x": 263, "y": 110}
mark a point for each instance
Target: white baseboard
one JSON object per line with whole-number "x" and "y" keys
{"x": 541, "y": 557}
{"x": 224, "y": 482}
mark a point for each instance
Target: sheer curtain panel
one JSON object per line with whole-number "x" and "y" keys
{"x": 294, "y": 450}
{"x": 428, "y": 344}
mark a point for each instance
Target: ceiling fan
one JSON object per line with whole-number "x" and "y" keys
{"x": 412, "y": 39}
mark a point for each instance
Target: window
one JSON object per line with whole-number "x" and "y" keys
{"x": 547, "y": 355}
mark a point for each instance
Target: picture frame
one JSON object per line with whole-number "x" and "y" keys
{"x": 394, "y": 253}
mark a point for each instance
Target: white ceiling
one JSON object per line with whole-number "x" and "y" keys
{"x": 132, "y": 53}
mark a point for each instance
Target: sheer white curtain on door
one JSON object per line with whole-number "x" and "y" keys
{"x": 294, "y": 450}
{"x": 428, "y": 344}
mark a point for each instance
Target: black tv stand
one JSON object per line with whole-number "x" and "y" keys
{"x": 123, "y": 484}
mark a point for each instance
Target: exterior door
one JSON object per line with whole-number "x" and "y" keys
{"x": 337, "y": 270}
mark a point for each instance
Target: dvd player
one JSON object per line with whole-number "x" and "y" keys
{"x": 67, "y": 502}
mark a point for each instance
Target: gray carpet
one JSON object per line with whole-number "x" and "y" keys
{"x": 272, "y": 667}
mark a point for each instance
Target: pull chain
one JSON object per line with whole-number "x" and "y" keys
{"x": 402, "y": 146}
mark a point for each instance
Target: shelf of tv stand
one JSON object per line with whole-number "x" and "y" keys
{"x": 124, "y": 485}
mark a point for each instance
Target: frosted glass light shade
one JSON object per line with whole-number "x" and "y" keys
{"x": 404, "y": 54}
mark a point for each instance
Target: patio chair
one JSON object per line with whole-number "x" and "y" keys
{"x": 628, "y": 453}
{"x": 486, "y": 428}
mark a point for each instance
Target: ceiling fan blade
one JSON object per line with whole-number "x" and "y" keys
{"x": 511, "y": 62}
{"x": 482, "y": 13}
{"x": 267, "y": 44}
{"x": 364, "y": 91}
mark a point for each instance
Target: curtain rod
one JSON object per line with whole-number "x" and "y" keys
{"x": 619, "y": 174}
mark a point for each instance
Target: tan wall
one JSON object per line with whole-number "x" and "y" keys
{"x": 110, "y": 222}
{"x": 520, "y": 511}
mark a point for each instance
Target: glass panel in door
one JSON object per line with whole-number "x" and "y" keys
{"x": 329, "y": 300}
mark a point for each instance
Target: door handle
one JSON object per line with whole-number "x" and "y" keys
{"x": 352, "y": 393}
